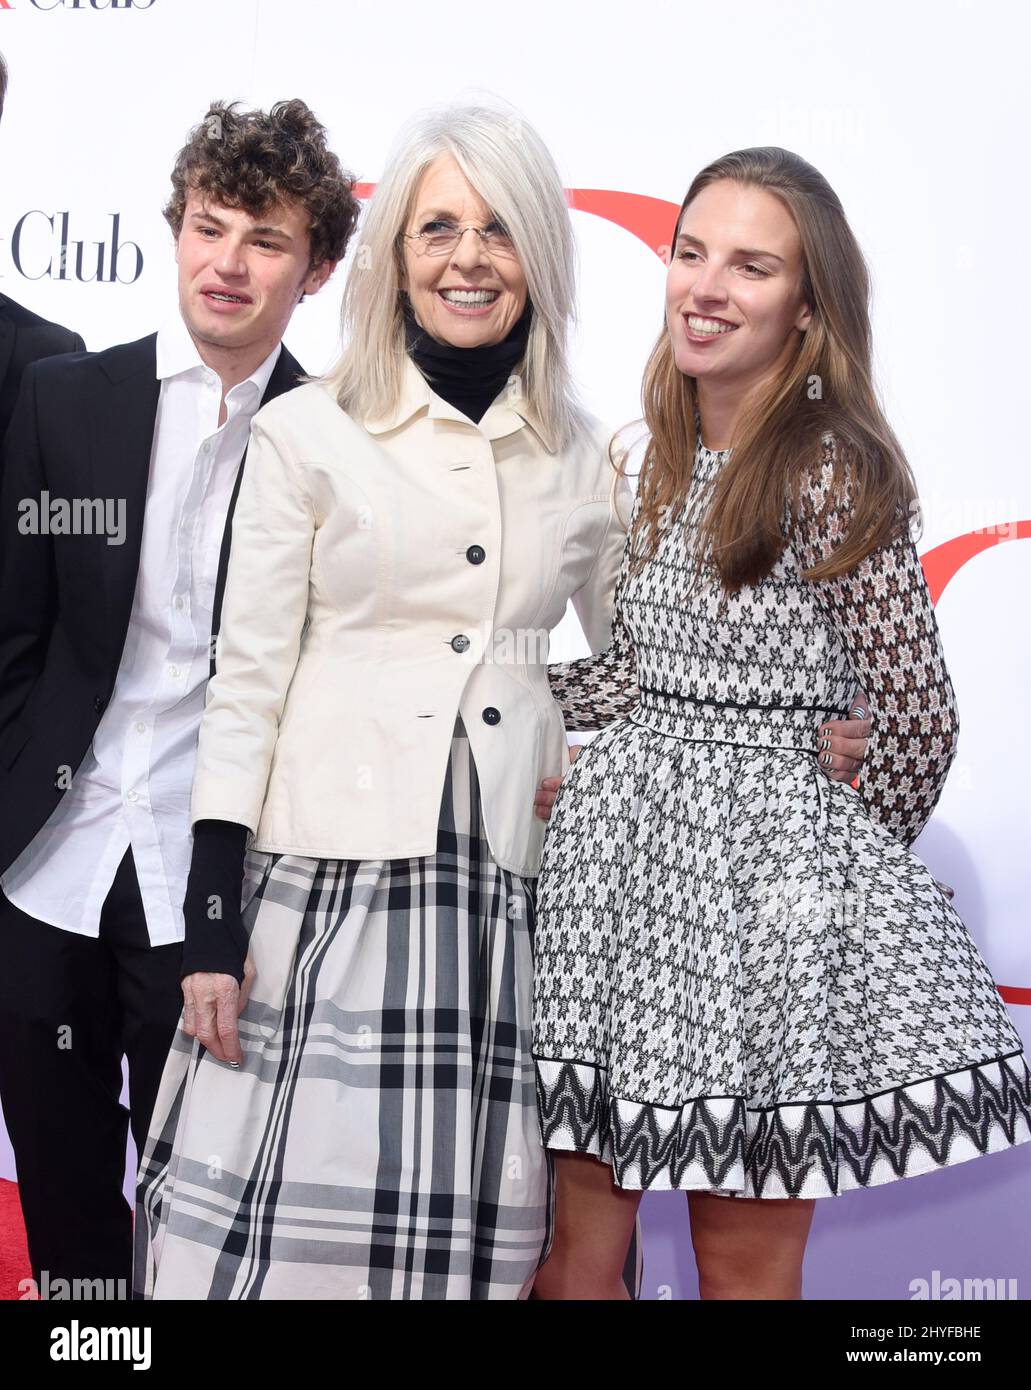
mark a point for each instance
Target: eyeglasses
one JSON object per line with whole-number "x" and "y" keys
{"x": 440, "y": 238}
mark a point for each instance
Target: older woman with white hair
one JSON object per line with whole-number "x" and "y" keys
{"x": 358, "y": 1120}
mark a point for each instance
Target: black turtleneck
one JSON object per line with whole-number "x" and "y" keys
{"x": 469, "y": 378}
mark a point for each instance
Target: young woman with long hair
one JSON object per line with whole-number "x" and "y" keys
{"x": 747, "y": 987}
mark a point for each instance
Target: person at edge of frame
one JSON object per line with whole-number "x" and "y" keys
{"x": 24, "y": 336}
{"x": 106, "y": 648}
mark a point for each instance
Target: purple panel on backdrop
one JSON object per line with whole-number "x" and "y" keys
{"x": 972, "y": 1221}
{"x": 968, "y": 1222}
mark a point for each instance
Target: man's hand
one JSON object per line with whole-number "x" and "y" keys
{"x": 211, "y": 1006}
{"x": 841, "y": 743}
{"x": 548, "y": 789}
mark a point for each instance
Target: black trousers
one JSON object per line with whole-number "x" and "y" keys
{"x": 70, "y": 1007}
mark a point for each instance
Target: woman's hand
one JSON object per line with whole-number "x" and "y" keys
{"x": 211, "y": 1006}
{"x": 841, "y": 743}
{"x": 548, "y": 789}
{"x": 841, "y": 747}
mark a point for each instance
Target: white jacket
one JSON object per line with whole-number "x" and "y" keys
{"x": 384, "y": 576}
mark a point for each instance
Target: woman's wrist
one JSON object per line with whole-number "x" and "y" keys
{"x": 215, "y": 940}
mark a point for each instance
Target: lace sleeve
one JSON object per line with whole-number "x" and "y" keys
{"x": 883, "y": 615}
{"x": 593, "y": 691}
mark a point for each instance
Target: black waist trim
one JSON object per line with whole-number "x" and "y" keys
{"x": 727, "y": 704}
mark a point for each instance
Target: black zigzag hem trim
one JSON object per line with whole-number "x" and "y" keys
{"x": 805, "y": 1149}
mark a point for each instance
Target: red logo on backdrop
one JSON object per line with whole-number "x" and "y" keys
{"x": 947, "y": 559}
{"x": 652, "y": 221}
{"x": 943, "y": 563}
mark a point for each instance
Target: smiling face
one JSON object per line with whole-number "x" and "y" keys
{"x": 470, "y": 297}
{"x": 734, "y": 304}
{"x": 241, "y": 277}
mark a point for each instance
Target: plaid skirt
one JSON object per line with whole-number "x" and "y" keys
{"x": 380, "y": 1139}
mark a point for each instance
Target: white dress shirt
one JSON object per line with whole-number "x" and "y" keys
{"x": 133, "y": 787}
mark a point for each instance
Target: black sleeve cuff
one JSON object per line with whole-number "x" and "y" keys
{"x": 216, "y": 943}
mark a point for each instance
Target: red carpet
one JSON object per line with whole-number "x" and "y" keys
{"x": 14, "y": 1254}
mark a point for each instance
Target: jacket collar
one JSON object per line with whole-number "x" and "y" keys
{"x": 502, "y": 418}
{"x": 177, "y": 354}
{"x": 128, "y": 360}
{"x": 286, "y": 374}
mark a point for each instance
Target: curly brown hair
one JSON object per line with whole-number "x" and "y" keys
{"x": 253, "y": 159}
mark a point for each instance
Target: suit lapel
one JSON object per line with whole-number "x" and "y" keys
{"x": 7, "y": 334}
{"x": 285, "y": 376}
{"x": 122, "y": 408}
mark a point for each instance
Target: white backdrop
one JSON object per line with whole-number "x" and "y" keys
{"x": 913, "y": 112}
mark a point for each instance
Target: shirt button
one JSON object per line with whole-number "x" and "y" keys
{"x": 180, "y": 602}
{"x": 460, "y": 643}
{"x": 132, "y": 796}
{"x": 141, "y": 728}
{"x": 173, "y": 671}
{"x": 476, "y": 555}
{"x": 491, "y": 715}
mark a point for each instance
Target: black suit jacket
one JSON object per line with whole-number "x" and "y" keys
{"x": 83, "y": 428}
{"x": 25, "y": 338}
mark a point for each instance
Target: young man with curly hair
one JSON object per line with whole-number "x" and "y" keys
{"x": 119, "y": 480}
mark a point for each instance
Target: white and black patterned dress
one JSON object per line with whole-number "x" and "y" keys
{"x": 745, "y": 981}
